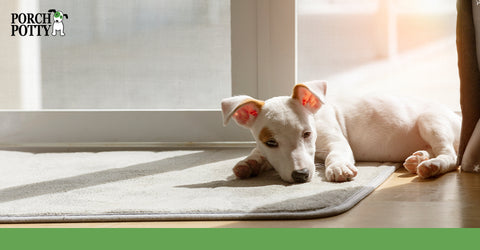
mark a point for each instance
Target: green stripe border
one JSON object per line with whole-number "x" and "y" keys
{"x": 237, "y": 238}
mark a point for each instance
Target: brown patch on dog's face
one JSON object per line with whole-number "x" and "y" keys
{"x": 267, "y": 137}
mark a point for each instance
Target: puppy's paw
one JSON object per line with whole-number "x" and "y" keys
{"x": 429, "y": 168}
{"x": 412, "y": 162}
{"x": 340, "y": 171}
{"x": 247, "y": 168}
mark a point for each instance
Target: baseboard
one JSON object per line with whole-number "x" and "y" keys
{"x": 115, "y": 146}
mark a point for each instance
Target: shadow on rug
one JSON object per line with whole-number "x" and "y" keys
{"x": 166, "y": 185}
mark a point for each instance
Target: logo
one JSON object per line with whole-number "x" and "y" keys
{"x": 38, "y": 24}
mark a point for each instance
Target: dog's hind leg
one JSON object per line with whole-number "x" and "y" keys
{"x": 412, "y": 162}
{"x": 251, "y": 166}
{"x": 439, "y": 132}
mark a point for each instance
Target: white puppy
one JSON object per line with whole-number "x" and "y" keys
{"x": 291, "y": 131}
{"x": 58, "y": 21}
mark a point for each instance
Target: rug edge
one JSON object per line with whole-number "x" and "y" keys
{"x": 303, "y": 215}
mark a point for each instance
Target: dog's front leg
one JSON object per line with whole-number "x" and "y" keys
{"x": 251, "y": 166}
{"x": 339, "y": 162}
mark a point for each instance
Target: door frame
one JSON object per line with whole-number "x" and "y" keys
{"x": 264, "y": 64}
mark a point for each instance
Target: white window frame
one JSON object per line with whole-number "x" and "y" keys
{"x": 264, "y": 64}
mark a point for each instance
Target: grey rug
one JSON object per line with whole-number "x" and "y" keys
{"x": 167, "y": 185}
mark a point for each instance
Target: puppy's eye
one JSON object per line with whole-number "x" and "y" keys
{"x": 272, "y": 143}
{"x": 307, "y": 134}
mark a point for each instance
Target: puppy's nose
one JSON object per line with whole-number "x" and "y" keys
{"x": 300, "y": 176}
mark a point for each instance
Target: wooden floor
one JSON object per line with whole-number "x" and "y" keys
{"x": 404, "y": 200}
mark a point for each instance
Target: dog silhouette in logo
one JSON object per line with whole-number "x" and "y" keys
{"x": 58, "y": 21}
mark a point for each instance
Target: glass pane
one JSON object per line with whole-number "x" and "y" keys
{"x": 148, "y": 54}
{"x": 400, "y": 47}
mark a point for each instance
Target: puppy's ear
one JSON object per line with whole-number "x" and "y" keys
{"x": 311, "y": 94}
{"x": 244, "y": 109}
